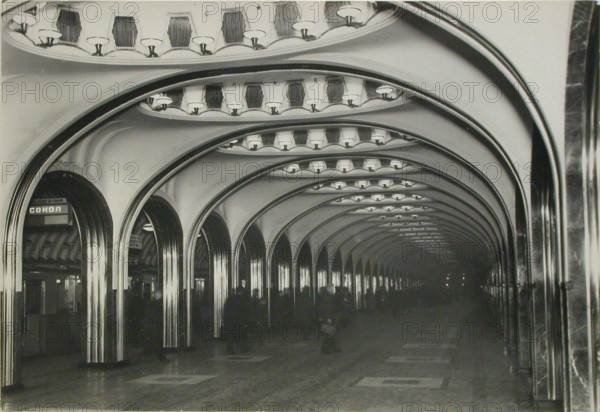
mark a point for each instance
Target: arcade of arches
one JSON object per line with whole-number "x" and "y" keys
{"x": 181, "y": 154}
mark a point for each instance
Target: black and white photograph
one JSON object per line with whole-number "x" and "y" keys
{"x": 300, "y": 205}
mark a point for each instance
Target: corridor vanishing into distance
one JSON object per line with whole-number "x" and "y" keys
{"x": 300, "y": 206}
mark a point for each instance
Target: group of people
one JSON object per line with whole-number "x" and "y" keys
{"x": 246, "y": 316}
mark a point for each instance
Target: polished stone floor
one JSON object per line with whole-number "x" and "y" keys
{"x": 443, "y": 359}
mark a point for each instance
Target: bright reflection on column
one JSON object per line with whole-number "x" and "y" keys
{"x": 321, "y": 278}
{"x": 336, "y": 278}
{"x": 220, "y": 264}
{"x": 304, "y": 277}
{"x": 283, "y": 276}
{"x": 256, "y": 277}
{"x": 359, "y": 292}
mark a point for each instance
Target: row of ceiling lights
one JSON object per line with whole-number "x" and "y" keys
{"x": 378, "y": 197}
{"x": 48, "y": 36}
{"x": 344, "y": 166}
{"x": 350, "y": 99}
{"x": 160, "y": 102}
{"x": 363, "y": 184}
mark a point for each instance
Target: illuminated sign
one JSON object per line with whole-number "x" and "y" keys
{"x": 49, "y": 212}
{"x": 45, "y": 207}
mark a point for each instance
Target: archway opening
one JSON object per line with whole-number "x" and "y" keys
{"x": 67, "y": 236}
{"x": 155, "y": 296}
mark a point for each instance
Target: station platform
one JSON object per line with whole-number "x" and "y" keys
{"x": 447, "y": 358}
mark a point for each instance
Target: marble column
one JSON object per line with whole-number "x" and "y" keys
{"x": 523, "y": 294}
{"x": 538, "y": 296}
{"x": 581, "y": 194}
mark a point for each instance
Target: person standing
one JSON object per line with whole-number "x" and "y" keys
{"x": 153, "y": 327}
{"x": 329, "y": 321}
{"x": 231, "y": 324}
{"x": 370, "y": 300}
{"x": 304, "y": 313}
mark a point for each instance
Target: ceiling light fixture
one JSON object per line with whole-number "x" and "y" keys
{"x": 338, "y": 185}
{"x": 397, "y": 164}
{"x": 303, "y": 27}
{"x": 254, "y": 142}
{"x": 98, "y": 42}
{"x": 317, "y": 166}
{"x": 348, "y": 13}
{"x": 378, "y": 138}
{"x": 203, "y": 42}
{"x": 235, "y": 108}
{"x": 24, "y": 20}
{"x": 254, "y": 35}
{"x": 386, "y": 183}
{"x": 285, "y": 140}
{"x": 273, "y": 106}
{"x": 313, "y": 104}
{"x": 151, "y": 43}
{"x": 49, "y": 36}
{"x": 385, "y": 91}
{"x": 293, "y": 168}
{"x": 194, "y": 108}
{"x": 362, "y": 184}
{"x": 344, "y": 165}
{"x": 350, "y": 98}
{"x": 161, "y": 102}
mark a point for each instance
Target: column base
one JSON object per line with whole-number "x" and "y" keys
{"x": 12, "y": 388}
{"x": 104, "y": 365}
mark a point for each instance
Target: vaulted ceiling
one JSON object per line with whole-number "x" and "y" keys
{"x": 382, "y": 134}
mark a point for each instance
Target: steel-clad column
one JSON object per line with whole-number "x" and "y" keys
{"x": 169, "y": 238}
